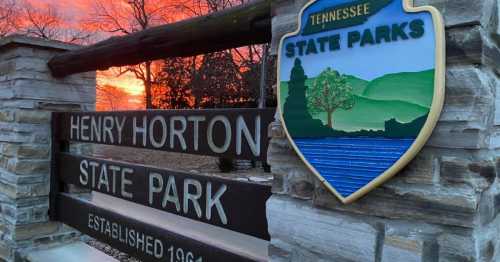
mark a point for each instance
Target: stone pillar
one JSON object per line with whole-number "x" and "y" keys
{"x": 28, "y": 95}
{"x": 444, "y": 206}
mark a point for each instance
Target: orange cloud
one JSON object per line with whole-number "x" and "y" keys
{"x": 127, "y": 81}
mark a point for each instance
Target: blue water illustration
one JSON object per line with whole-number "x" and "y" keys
{"x": 349, "y": 164}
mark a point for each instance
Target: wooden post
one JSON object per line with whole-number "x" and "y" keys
{"x": 57, "y": 147}
{"x": 263, "y": 79}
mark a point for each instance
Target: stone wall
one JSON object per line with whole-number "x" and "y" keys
{"x": 28, "y": 95}
{"x": 444, "y": 206}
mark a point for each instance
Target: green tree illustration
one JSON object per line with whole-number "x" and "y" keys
{"x": 330, "y": 92}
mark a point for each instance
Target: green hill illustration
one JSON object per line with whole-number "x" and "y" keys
{"x": 358, "y": 85}
{"x": 416, "y": 88}
{"x": 372, "y": 114}
{"x": 394, "y": 105}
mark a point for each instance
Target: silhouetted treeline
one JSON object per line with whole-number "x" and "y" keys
{"x": 213, "y": 80}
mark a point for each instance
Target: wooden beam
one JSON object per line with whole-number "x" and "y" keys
{"x": 237, "y": 212}
{"x": 238, "y": 26}
{"x": 162, "y": 238}
{"x": 204, "y": 136}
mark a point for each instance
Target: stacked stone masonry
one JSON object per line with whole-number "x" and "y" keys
{"x": 28, "y": 95}
{"x": 444, "y": 206}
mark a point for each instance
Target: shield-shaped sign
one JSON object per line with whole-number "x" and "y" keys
{"x": 361, "y": 87}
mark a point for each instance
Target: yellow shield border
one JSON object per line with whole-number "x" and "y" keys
{"x": 430, "y": 124}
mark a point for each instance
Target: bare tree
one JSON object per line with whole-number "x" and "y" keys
{"x": 111, "y": 98}
{"x": 8, "y": 17}
{"x": 44, "y": 23}
{"x": 129, "y": 16}
{"x": 47, "y": 23}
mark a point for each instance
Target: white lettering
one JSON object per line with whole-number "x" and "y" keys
{"x": 178, "y": 132}
{"x": 210, "y": 134}
{"x": 171, "y": 194}
{"x": 107, "y": 130}
{"x": 126, "y": 182}
{"x": 142, "y": 130}
{"x": 84, "y": 128}
{"x": 114, "y": 171}
{"x": 140, "y": 241}
{"x": 152, "y": 185}
{"x": 196, "y": 129}
{"x": 95, "y": 132}
{"x": 75, "y": 127}
{"x": 93, "y": 165}
{"x": 215, "y": 201}
{"x": 91, "y": 218}
{"x": 103, "y": 178}
{"x": 149, "y": 245}
{"x": 84, "y": 175}
{"x": 119, "y": 126}
{"x": 241, "y": 127}
{"x": 114, "y": 230}
{"x": 188, "y": 196}
{"x": 163, "y": 132}
{"x": 159, "y": 249}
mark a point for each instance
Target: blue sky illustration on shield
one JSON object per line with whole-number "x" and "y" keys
{"x": 334, "y": 158}
{"x": 368, "y": 62}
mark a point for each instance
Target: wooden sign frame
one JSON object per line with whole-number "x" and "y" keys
{"x": 229, "y": 204}
{"x": 93, "y": 220}
{"x": 163, "y": 189}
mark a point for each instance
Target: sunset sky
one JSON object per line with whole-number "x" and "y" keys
{"x": 128, "y": 81}
{"x": 87, "y": 22}
{"x": 74, "y": 11}
{"x": 70, "y": 7}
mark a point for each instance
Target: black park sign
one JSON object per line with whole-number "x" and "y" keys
{"x": 236, "y": 133}
{"x": 234, "y": 205}
{"x": 221, "y": 202}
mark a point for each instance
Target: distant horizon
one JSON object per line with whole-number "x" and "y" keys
{"x": 311, "y": 77}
